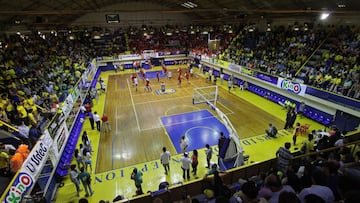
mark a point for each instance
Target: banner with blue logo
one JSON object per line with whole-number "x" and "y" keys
{"x": 267, "y": 78}
{"x": 22, "y": 183}
{"x": 291, "y": 86}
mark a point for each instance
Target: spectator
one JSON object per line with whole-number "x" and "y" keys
{"x": 248, "y": 193}
{"x": 221, "y": 141}
{"x": 85, "y": 179}
{"x": 273, "y": 182}
{"x": 16, "y": 161}
{"x": 208, "y": 153}
{"x": 318, "y": 188}
{"x": 272, "y": 131}
{"x": 4, "y": 163}
{"x": 97, "y": 121}
{"x": 74, "y": 178}
{"x": 185, "y": 165}
{"x": 79, "y": 159}
{"x": 284, "y": 157}
{"x": 194, "y": 161}
{"x": 137, "y": 177}
{"x": 91, "y": 119}
{"x": 287, "y": 197}
{"x": 87, "y": 159}
{"x": 296, "y": 133}
{"x": 34, "y": 134}
{"x": 165, "y": 160}
{"x": 106, "y": 123}
{"x": 24, "y": 130}
{"x": 184, "y": 144}
{"x": 308, "y": 144}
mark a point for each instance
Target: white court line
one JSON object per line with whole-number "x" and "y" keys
{"x": 168, "y": 99}
{"x": 133, "y": 104}
{"x": 231, "y": 112}
{"x": 187, "y": 121}
{"x": 116, "y": 123}
{"x": 116, "y": 89}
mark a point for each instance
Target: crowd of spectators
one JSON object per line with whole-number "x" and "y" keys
{"x": 332, "y": 176}
{"x": 173, "y": 39}
{"x": 285, "y": 51}
{"x": 279, "y": 52}
{"x": 39, "y": 69}
{"x": 335, "y": 67}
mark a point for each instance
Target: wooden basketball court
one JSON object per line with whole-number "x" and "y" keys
{"x": 137, "y": 133}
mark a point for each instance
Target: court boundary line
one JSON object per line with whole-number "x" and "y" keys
{"x": 133, "y": 104}
{"x": 204, "y": 118}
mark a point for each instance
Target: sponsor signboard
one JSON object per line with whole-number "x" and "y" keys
{"x": 267, "y": 78}
{"x": 30, "y": 170}
{"x": 22, "y": 183}
{"x": 291, "y": 86}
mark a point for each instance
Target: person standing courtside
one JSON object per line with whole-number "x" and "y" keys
{"x": 97, "y": 121}
{"x": 184, "y": 144}
{"x": 185, "y": 165}
{"x": 284, "y": 157}
{"x": 208, "y": 153}
{"x": 85, "y": 179}
{"x": 74, "y": 178}
{"x": 194, "y": 161}
{"x": 106, "y": 123}
{"x": 165, "y": 160}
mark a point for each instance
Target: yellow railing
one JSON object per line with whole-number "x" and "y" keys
{"x": 9, "y": 126}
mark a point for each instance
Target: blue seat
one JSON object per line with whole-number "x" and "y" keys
{"x": 327, "y": 121}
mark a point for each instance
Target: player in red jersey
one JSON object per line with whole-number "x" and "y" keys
{"x": 147, "y": 85}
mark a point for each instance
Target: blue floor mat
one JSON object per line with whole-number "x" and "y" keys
{"x": 200, "y": 128}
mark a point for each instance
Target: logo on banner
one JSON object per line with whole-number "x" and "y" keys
{"x": 291, "y": 86}
{"x": 20, "y": 187}
{"x": 36, "y": 159}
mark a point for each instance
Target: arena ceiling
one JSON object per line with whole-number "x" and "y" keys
{"x": 40, "y": 13}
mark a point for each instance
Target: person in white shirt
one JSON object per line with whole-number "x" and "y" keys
{"x": 184, "y": 144}
{"x": 185, "y": 165}
{"x": 136, "y": 82}
{"x": 97, "y": 121}
{"x": 24, "y": 130}
{"x": 165, "y": 160}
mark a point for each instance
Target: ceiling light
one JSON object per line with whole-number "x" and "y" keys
{"x": 189, "y": 5}
{"x": 324, "y": 16}
{"x": 341, "y": 6}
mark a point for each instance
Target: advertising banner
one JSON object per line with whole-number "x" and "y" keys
{"x": 294, "y": 87}
{"x": 223, "y": 64}
{"x": 60, "y": 140}
{"x": 267, "y": 78}
{"x": 30, "y": 170}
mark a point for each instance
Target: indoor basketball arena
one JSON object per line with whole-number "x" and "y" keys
{"x": 180, "y": 101}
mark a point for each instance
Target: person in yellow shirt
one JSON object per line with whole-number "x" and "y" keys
{"x": 23, "y": 115}
{"x": 308, "y": 144}
{"x": 31, "y": 117}
{"x": 4, "y": 163}
{"x": 326, "y": 81}
{"x": 336, "y": 81}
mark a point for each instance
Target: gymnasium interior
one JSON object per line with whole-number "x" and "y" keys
{"x": 99, "y": 88}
